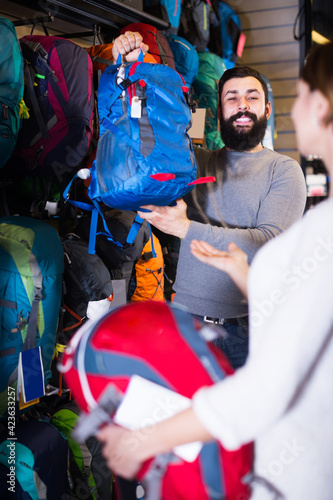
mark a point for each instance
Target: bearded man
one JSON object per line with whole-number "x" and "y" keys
{"x": 258, "y": 194}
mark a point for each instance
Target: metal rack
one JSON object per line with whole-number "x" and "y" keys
{"x": 110, "y": 15}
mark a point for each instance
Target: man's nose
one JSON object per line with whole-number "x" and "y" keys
{"x": 243, "y": 103}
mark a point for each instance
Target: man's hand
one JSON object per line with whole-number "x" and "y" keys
{"x": 129, "y": 45}
{"x": 171, "y": 220}
{"x": 233, "y": 262}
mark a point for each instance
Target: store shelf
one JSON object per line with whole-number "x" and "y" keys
{"x": 110, "y": 15}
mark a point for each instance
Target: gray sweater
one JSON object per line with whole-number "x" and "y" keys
{"x": 255, "y": 197}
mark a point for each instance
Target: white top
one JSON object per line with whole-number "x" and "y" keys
{"x": 283, "y": 397}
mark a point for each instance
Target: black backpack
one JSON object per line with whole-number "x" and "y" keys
{"x": 118, "y": 255}
{"x": 88, "y": 285}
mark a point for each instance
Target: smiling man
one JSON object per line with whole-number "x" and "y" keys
{"x": 258, "y": 193}
{"x": 246, "y": 110}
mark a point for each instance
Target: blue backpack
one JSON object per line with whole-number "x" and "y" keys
{"x": 226, "y": 37}
{"x": 144, "y": 154}
{"x": 168, "y": 10}
{"x": 186, "y": 58}
{"x": 31, "y": 267}
{"x": 11, "y": 89}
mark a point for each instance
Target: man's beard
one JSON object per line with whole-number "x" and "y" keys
{"x": 240, "y": 139}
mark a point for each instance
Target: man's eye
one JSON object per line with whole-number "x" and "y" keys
{"x": 253, "y": 98}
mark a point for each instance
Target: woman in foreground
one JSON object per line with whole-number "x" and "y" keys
{"x": 282, "y": 398}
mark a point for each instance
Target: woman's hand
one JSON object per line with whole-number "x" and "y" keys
{"x": 120, "y": 449}
{"x": 233, "y": 262}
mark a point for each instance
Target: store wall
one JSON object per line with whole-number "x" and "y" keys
{"x": 271, "y": 49}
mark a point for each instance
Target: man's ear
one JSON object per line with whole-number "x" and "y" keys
{"x": 268, "y": 110}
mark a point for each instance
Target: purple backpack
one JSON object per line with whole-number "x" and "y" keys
{"x": 60, "y": 96}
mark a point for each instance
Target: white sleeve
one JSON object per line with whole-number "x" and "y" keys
{"x": 288, "y": 344}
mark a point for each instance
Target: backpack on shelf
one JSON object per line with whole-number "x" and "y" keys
{"x": 12, "y": 107}
{"x": 39, "y": 454}
{"x": 168, "y": 10}
{"x": 194, "y": 23}
{"x": 90, "y": 476}
{"x": 120, "y": 254}
{"x": 206, "y": 92}
{"x": 60, "y": 96}
{"x": 159, "y": 47}
{"x": 226, "y": 36}
{"x": 31, "y": 268}
{"x": 148, "y": 274}
{"x": 88, "y": 285}
{"x": 165, "y": 346}
{"x": 186, "y": 58}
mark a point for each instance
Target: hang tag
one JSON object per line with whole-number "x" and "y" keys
{"x": 30, "y": 375}
{"x": 136, "y": 109}
{"x": 119, "y": 293}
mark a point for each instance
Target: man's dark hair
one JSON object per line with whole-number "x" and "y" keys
{"x": 242, "y": 72}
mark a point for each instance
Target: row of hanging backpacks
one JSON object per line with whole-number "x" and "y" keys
{"x": 207, "y": 24}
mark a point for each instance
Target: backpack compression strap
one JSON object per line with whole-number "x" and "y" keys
{"x": 96, "y": 210}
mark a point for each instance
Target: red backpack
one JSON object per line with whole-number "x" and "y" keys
{"x": 163, "y": 344}
{"x": 158, "y": 44}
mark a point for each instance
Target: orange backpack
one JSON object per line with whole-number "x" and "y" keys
{"x": 101, "y": 56}
{"x": 149, "y": 272}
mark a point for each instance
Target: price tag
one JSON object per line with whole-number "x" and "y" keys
{"x": 136, "y": 109}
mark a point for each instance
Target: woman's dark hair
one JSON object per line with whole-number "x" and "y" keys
{"x": 242, "y": 72}
{"x": 318, "y": 73}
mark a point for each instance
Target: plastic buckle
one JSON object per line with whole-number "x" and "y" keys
{"x": 215, "y": 321}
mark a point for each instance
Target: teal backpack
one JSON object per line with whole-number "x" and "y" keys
{"x": 11, "y": 89}
{"x": 31, "y": 268}
{"x": 34, "y": 463}
{"x": 206, "y": 91}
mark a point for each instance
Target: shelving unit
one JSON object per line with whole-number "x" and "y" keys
{"x": 69, "y": 17}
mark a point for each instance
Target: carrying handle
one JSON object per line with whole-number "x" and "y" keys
{"x": 120, "y": 57}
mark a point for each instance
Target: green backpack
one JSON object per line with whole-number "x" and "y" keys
{"x": 206, "y": 91}
{"x": 91, "y": 477}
